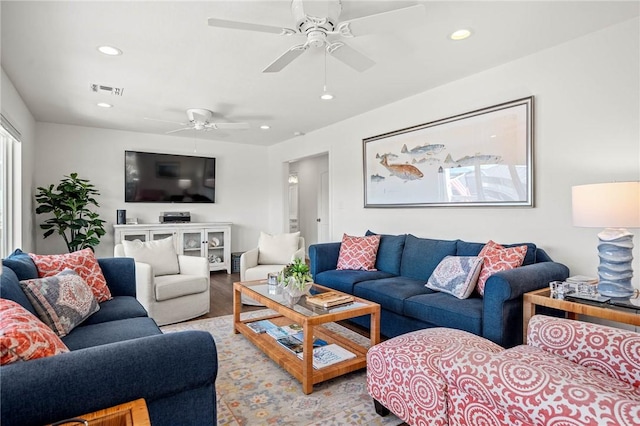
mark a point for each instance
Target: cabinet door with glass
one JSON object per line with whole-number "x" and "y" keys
{"x": 161, "y": 234}
{"x": 132, "y": 235}
{"x": 218, "y": 248}
{"x": 192, "y": 243}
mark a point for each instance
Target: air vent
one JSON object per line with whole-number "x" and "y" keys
{"x": 99, "y": 88}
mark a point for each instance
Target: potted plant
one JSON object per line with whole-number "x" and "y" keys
{"x": 295, "y": 278}
{"x": 70, "y": 203}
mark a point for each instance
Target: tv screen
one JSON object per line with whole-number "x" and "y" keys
{"x": 168, "y": 178}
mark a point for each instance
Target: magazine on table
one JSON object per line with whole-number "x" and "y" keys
{"x": 327, "y": 355}
{"x": 284, "y": 330}
{"x": 261, "y": 326}
{"x": 295, "y": 342}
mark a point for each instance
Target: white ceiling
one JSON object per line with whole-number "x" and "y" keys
{"x": 173, "y": 60}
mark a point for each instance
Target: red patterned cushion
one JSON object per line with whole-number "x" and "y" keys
{"x": 496, "y": 259}
{"x": 23, "y": 336}
{"x": 358, "y": 253}
{"x": 85, "y": 264}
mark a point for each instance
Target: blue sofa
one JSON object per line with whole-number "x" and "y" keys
{"x": 116, "y": 355}
{"x": 404, "y": 263}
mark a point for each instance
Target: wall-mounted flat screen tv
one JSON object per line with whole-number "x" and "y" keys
{"x": 168, "y": 178}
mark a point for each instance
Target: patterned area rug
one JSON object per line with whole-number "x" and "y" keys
{"x": 253, "y": 390}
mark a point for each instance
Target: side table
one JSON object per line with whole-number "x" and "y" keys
{"x": 543, "y": 297}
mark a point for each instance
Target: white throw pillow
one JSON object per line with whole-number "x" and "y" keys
{"x": 160, "y": 254}
{"x": 456, "y": 275}
{"x": 277, "y": 249}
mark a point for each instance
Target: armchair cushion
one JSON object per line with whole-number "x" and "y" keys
{"x": 23, "y": 336}
{"x": 171, "y": 286}
{"x": 277, "y": 249}
{"x": 160, "y": 254}
{"x": 84, "y": 262}
{"x": 62, "y": 301}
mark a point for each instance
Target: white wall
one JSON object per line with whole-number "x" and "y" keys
{"x": 586, "y": 131}
{"x": 98, "y": 155}
{"x": 15, "y": 110}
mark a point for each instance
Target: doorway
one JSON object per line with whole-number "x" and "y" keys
{"x": 309, "y": 195}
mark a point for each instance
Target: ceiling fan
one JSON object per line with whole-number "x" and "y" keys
{"x": 200, "y": 119}
{"x": 320, "y": 30}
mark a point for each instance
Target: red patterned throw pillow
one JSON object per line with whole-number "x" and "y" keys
{"x": 23, "y": 336}
{"x": 496, "y": 259}
{"x": 358, "y": 253}
{"x": 85, "y": 264}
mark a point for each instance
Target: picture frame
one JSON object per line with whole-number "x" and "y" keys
{"x": 479, "y": 158}
{"x": 167, "y": 169}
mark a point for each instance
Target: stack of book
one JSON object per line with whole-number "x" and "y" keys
{"x": 329, "y": 299}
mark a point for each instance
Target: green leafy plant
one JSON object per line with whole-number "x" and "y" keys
{"x": 70, "y": 203}
{"x": 299, "y": 271}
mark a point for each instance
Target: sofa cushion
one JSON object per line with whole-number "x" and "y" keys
{"x": 277, "y": 249}
{"x": 498, "y": 258}
{"x": 389, "y": 252}
{"x": 23, "y": 336}
{"x": 456, "y": 275}
{"x": 84, "y": 262}
{"x": 390, "y": 293}
{"x": 473, "y": 249}
{"x": 10, "y": 289}
{"x": 22, "y": 265}
{"x": 344, "y": 280}
{"x": 110, "y": 332}
{"x": 421, "y": 256}
{"x": 119, "y": 307}
{"x": 358, "y": 253}
{"x": 62, "y": 301}
{"x": 444, "y": 310}
{"x": 172, "y": 286}
{"x": 160, "y": 254}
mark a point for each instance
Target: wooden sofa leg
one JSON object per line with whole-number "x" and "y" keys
{"x": 380, "y": 409}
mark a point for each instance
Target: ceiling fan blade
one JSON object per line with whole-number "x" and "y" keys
{"x": 235, "y": 25}
{"x": 179, "y": 130}
{"x": 165, "y": 121}
{"x": 385, "y": 21}
{"x": 350, "y": 56}
{"x": 230, "y": 126}
{"x": 286, "y": 58}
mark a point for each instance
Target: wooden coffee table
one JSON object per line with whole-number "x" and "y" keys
{"x": 311, "y": 319}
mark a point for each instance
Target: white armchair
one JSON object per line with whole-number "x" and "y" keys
{"x": 273, "y": 253}
{"x": 169, "y": 292}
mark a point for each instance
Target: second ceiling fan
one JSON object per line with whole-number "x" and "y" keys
{"x": 325, "y": 31}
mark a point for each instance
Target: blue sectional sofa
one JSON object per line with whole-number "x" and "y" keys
{"x": 404, "y": 263}
{"x": 117, "y": 355}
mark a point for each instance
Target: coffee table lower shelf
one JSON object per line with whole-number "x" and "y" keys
{"x": 295, "y": 366}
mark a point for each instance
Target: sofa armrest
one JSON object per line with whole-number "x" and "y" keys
{"x": 193, "y": 265}
{"x": 299, "y": 254}
{"x": 606, "y": 349}
{"x": 248, "y": 259}
{"x": 323, "y": 257}
{"x": 120, "y": 275}
{"x": 49, "y": 389}
{"x": 502, "y": 304}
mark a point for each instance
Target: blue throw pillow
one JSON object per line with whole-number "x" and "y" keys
{"x": 389, "y": 252}
{"x": 21, "y": 264}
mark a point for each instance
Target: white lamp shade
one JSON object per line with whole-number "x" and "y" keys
{"x": 607, "y": 205}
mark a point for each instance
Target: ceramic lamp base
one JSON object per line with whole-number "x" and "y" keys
{"x": 615, "y": 270}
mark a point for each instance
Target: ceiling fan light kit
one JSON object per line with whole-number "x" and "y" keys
{"x": 200, "y": 119}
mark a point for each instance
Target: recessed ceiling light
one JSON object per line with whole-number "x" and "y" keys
{"x": 265, "y": 127}
{"x": 104, "y": 105}
{"x": 460, "y": 34}
{"x": 110, "y": 50}
{"x": 326, "y": 96}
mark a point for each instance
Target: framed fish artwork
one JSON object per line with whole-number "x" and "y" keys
{"x": 479, "y": 158}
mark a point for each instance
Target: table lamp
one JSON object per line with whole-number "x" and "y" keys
{"x": 613, "y": 206}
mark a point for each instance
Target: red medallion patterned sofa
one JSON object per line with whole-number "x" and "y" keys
{"x": 570, "y": 373}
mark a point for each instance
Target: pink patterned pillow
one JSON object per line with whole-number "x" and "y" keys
{"x": 85, "y": 264}
{"x": 358, "y": 253}
{"x": 496, "y": 259}
{"x": 23, "y": 336}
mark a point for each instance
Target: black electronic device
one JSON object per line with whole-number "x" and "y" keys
{"x": 121, "y": 217}
{"x": 168, "y": 178}
{"x": 175, "y": 217}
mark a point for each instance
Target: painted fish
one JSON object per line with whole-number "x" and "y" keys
{"x": 426, "y": 149}
{"x": 403, "y": 171}
{"x": 430, "y": 161}
{"x": 377, "y": 178}
{"x": 472, "y": 160}
{"x": 387, "y": 155}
